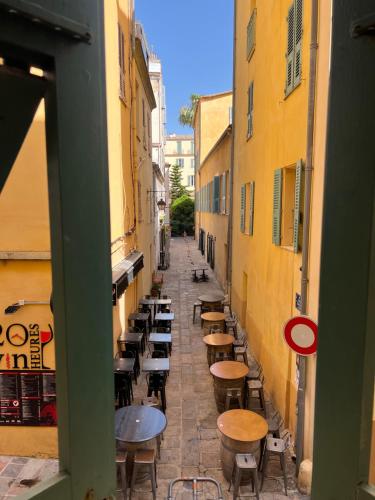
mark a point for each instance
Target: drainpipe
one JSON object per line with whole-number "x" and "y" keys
{"x": 230, "y": 218}
{"x": 306, "y": 225}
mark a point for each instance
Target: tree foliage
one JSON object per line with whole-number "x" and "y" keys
{"x": 182, "y": 216}
{"x": 175, "y": 177}
{"x": 186, "y": 114}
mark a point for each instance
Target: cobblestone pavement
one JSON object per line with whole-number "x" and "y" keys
{"x": 191, "y": 445}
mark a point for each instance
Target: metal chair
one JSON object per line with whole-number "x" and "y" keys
{"x": 145, "y": 458}
{"x": 121, "y": 457}
{"x": 278, "y": 447}
{"x": 197, "y": 305}
{"x": 244, "y": 463}
{"x": 156, "y": 385}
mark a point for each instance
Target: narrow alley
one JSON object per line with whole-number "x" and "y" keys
{"x": 191, "y": 445}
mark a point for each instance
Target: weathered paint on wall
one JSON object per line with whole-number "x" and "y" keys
{"x": 217, "y": 163}
{"x": 267, "y": 277}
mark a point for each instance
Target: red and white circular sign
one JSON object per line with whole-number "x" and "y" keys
{"x": 301, "y": 335}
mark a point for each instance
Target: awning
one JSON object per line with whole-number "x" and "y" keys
{"x": 125, "y": 271}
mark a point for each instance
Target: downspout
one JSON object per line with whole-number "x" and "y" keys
{"x": 306, "y": 224}
{"x": 230, "y": 219}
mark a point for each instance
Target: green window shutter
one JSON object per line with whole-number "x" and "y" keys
{"x": 289, "y": 84}
{"x": 250, "y": 107}
{"x": 251, "y": 208}
{"x": 251, "y": 35}
{"x": 297, "y": 206}
{"x": 223, "y": 193}
{"x": 276, "y": 215}
{"x": 212, "y": 197}
{"x": 217, "y": 194}
{"x": 298, "y": 5}
{"x": 242, "y": 208}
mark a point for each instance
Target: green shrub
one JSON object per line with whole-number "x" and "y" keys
{"x": 182, "y": 216}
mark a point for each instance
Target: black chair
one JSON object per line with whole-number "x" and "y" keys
{"x": 156, "y": 385}
{"x": 159, "y": 353}
{"x": 123, "y": 390}
{"x": 132, "y": 351}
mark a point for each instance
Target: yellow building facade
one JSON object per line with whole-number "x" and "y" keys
{"x": 25, "y": 259}
{"x": 271, "y": 75}
{"x": 179, "y": 150}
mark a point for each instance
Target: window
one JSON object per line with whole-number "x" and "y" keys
{"x": 192, "y": 147}
{"x": 250, "y": 108}
{"x": 216, "y": 194}
{"x": 179, "y": 147}
{"x": 191, "y": 180}
{"x": 251, "y": 35}
{"x": 294, "y": 46}
{"x": 121, "y": 60}
{"x": 287, "y": 207}
{"x": 180, "y": 162}
{"x": 230, "y": 115}
{"x": 192, "y": 163}
{"x": 251, "y": 208}
{"x": 223, "y": 193}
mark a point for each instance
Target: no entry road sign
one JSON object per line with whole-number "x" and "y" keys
{"x": 301, "y": 335}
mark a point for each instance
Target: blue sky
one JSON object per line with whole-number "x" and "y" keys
{"x": 193, "y": 39}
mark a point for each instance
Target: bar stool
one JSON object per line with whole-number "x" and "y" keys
{"x": 121, "y": 457}
{"x": 244, "y": 462}
{"x": 234, "y": 393}
{"x": 278, "y": 447}
{"x": 154, "y": 402}
{"x": 197, "y": 305}
{"x": 257, "y": 387}
{"x": 147, "y": 458}
{"x": 240, "y": 353}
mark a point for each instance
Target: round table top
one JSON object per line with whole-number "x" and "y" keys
{"x": 218, "y": 339}
{"x": 229, "y": 370}
{"x": 137, "y": 424}
{"x": 242, "y": 425}
{"x": 211, "y": 297}
{"x": 213, "y": 316}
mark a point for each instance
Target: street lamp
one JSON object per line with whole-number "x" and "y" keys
{"x": 161, "y": 205}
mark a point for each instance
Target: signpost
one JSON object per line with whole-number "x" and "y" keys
{"x": 301, "y": 335}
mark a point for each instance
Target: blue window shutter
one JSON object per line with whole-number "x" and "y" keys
{"x": 276, "y": 215}
{"x": 297, "y": 206}
{"x": 251, "y": 208}
{"x": 242, "y": 208}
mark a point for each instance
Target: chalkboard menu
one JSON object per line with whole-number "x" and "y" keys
{"x": 28, "y": 398}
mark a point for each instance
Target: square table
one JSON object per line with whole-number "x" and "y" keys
{"x": 123, "y": 365}
{"x": 139, "y": 316}
{"x": 164, "y": 339}
{"x": 164, "y": 316}
{"x": 155, "y": 365}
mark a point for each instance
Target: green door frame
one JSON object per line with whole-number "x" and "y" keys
{"x": 346, "y": 354}
{"x": 67, "y": 40}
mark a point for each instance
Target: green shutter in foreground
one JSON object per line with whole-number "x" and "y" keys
{"x": 242, "y": 208}
{"x": 297, "y": 206}
{"x": 276, "y": 215}
{"x": 251, "y": 211}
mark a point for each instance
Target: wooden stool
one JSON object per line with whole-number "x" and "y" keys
{"x": 121, "y": 457}
{"x": 244, "y": 462}
{"x": 241, "y": 352}
{"x": 257, "y": 386}
{"x": 233, "y": 394}
{"x": 147, "y": 458}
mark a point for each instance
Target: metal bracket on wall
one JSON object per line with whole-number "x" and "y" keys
{"x": 363, "y": 26}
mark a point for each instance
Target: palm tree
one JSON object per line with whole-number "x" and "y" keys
{"x": 186, "y": 115}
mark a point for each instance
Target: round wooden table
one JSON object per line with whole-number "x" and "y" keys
{"x": 241, "y": 432}
{"x": 217, "y": 342}
{"x": 213, "y": 318}
{"x": 227, "y": 375}
{"x": 211, "y": 297}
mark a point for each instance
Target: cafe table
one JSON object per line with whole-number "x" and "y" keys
{"x": 164, "y": 339}
{"x": 227, "y": 375}
{"x": 213, "y": 318}
{"x": 217, "y": 342}
{"x": 241, "y": 432}
{"x": 137, "y": 427}
{"x": 211, "y": 297}
{"x": 164, "y": 319}
{"x": 155, "y": 365}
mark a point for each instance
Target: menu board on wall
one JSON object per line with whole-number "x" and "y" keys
{"x": 28, "y": 398}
